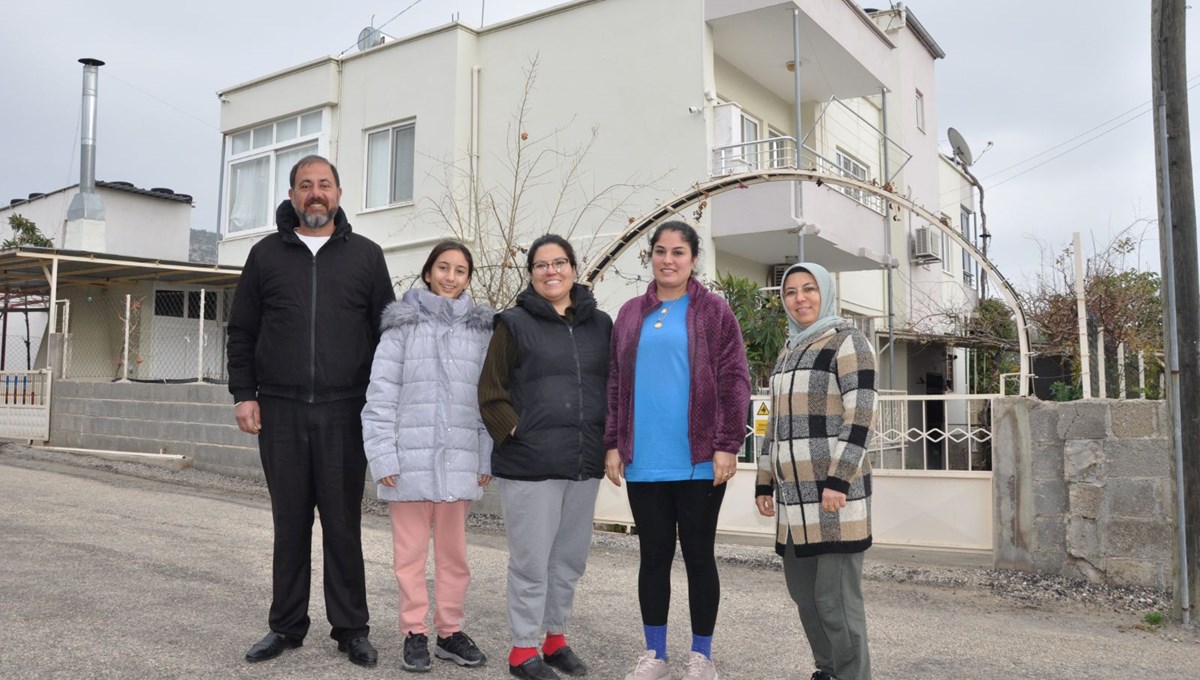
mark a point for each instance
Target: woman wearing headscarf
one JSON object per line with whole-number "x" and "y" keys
{"x": 542, "y": 396}
{"x": 814, "y": 475}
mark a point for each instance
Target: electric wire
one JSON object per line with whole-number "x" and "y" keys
{"x": 380, "y": 26}
{"x": 109, "y": 74}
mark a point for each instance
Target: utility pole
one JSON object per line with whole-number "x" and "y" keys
{"x": 1181, "y": 279}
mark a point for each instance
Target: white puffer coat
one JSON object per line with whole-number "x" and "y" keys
{"x": 421, "y": 422}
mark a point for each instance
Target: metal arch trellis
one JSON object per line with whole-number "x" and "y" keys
{"x": 640, "y": 226}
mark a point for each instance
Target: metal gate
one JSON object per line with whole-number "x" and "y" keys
{"x": 25, "y": 406}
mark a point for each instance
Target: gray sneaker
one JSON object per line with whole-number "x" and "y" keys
{"x": 699, "y": 667}
{"x": 650, "y": 667}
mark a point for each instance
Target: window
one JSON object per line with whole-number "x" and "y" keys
{"x": 260, "y": 161}
{"x": 749, "y": 150}
{"x": 851, "y": 167}
{"x": 778, "y": 148}
{"x": 971, "y": 234}
{"x": 172, "y": 303}
{"x": 947, "y": 265}
{"x": 390, "y": 154}
{"x": 920, "y": 112}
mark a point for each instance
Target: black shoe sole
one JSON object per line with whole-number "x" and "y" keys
{"x": 291, "y": 644}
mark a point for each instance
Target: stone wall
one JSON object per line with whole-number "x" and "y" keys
{"x": 1085, "y": 489}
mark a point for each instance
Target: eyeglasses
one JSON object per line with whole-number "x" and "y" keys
{"x": 557, "y": 265}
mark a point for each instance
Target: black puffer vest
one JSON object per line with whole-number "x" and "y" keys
{"x": 558, "y": 389}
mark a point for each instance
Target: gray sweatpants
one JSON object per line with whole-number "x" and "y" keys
{"x": 828, "y": 591}
{"x": 549, "y": 529}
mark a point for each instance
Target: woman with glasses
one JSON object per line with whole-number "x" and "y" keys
{"x": 814, "y": 475}
{"x": 542, "y": 395}
{"x": 678, "y": 395}
{"x": 428, "y": 449}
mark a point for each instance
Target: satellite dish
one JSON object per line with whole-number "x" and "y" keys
{"x": 961, "y": 151}
{"x": 369, "y": 37}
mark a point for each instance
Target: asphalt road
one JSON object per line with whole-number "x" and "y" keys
{"x": 111, "y": 575}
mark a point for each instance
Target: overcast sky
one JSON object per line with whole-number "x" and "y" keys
{"x": 1027, "y": 75}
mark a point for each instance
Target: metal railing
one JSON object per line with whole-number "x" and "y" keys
{"x": 780, "y": 152}
{"x": 932, "y": 432}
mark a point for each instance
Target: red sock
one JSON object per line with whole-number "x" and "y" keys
{"x": 520, "y": 655}
{"x": 553, "y": 643}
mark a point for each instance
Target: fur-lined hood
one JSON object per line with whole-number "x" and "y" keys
{"x": 421, "y": 303}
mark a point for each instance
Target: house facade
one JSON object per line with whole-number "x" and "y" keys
{"x": 582, "y": 117}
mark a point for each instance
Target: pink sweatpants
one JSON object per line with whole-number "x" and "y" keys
{"x": 413, "y": 522}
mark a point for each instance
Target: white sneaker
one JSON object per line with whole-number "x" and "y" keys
{"x": 700, "y": 667}
{"x": 649, "y": 667}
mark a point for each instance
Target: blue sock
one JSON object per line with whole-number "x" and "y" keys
{"x": 656, "y": 639}
{"x": 702, "y": 644}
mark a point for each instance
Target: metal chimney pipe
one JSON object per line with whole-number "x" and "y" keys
{"x": 87, "y": 137}
{"x": 86, "y": 204}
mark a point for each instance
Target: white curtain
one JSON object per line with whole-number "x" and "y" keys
{"x": 248, "y": 185}
{"x": 377, "y": 169}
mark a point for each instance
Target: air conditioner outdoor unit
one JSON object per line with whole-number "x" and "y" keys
{"x": 926, "y": 246}
{"x": 777, "y": 272}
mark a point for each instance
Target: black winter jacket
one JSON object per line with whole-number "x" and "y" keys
{"x": 558, "y": 390}
{"x": 305, "y": 326}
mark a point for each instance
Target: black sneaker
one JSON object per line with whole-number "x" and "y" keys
{"x": 460, "y": 649}
{"x": 416, "y": 653}
{"x": 822, "y": 675}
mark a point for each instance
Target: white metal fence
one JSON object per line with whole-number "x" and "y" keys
{"x": 932, "y": 432}
{"x": 167, "y": 336}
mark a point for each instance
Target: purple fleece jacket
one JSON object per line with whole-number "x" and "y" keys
{"x": 720, "y": 376}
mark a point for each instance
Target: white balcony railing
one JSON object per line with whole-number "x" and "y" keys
{"x": 780, "y": 152}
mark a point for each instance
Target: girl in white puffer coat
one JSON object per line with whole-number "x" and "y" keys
{"x": 428, "y": 448}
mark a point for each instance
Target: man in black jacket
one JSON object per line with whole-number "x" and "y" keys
{"x": 302, "y": 334}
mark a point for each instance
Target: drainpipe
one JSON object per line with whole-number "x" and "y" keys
{"x": 799, "y": 148}
{"x": 887, "y": 236}
{"x": 474, "y": 150}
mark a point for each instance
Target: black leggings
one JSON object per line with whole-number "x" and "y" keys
{"x": 659, "y": 508}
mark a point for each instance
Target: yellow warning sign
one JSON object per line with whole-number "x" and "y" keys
{"x": 763, "y": 410}
{"x": 760, "y": 427}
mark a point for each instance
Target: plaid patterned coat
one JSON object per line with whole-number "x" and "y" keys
{"x": 823, "y": 407}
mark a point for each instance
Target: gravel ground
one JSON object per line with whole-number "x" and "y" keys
{"x": 1025, "y": 588}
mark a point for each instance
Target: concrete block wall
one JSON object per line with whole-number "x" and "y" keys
{"x": 194, "y": 420}
{"x": 1085, "y": 489}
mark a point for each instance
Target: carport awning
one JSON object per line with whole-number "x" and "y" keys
{"x": 40, "y": 272}
{"x": 34, "y": 271}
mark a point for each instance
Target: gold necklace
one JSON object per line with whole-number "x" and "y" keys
{"x": 665, "y": 311}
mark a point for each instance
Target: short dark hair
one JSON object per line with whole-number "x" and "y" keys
{"x": 684, "y": 229}
{"x": 437, "y": 252}
{"x": 309, "y": 160}
{"x": 546, "y": 240}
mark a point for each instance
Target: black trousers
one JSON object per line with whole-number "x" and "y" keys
{"x": 660, "y": 509}
{"x": 312, "y": 456}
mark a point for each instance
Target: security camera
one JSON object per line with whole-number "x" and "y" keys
{"x": 694, "y": 109}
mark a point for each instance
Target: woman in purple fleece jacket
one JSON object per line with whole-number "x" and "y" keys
{"x": 678, "y": 392}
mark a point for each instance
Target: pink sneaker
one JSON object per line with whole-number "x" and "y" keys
{"x": 699, "y": 667}
{"x": 649, "y": 667}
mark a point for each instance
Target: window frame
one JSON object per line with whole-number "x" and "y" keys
{"x": 840, "y": 155}
{"x": 390, "y": 128}
{"x": 271, "y": 151}
{"x": 920, "y": 110}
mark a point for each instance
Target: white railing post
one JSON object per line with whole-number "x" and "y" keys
{"x": 1121, "y": 369}
{"x": 1141, "y": 374}
{"x": 200, "y": 342}
{"x": 1101, "y": 369}
{"x": 125, "y": 346}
